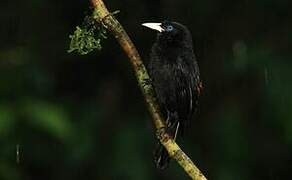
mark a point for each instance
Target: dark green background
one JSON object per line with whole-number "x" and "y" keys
{"x": 83, "y": 117}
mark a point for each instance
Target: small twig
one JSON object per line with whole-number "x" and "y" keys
{"x": 101, "y": 14}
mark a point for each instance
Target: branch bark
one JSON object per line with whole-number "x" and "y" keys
{"x": 101, "y": 14}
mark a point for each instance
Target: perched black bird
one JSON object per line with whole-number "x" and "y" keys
{"x": 175, "y": 77}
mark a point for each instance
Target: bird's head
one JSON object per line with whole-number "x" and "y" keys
{"x": 171, "y": 33}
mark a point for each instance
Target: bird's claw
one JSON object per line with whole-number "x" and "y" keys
{"x": 160, "y": 132}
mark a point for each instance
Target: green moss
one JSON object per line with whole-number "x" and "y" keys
{"x": 88, "y": 37}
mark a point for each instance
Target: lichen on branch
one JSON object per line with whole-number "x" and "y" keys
{"x": 87, "y": 37}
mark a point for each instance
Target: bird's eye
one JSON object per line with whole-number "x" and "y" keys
{"x": 169, "y": 28}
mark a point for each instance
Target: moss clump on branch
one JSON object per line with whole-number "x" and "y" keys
{"x": 88, "y": 37}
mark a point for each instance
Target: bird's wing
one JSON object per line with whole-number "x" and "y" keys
{"x": 187, "y": 92}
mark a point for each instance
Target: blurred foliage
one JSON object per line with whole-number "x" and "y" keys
{"x": 83, "y": 117}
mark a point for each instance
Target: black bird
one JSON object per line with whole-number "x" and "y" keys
{"x": 175, "y": 76}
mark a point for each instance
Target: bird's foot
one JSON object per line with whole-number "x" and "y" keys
{"x": 164, "y": 134}
{"x": 161, "y": 133}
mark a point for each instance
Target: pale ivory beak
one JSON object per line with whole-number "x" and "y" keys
{"x": 154, "y": 26}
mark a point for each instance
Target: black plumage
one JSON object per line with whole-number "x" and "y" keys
{"x": 175, "y": 77}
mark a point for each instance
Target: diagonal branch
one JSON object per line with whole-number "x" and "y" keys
{"x": 101, "y": 14}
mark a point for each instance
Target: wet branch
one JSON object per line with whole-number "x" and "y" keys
{"x": 101, "y": 14}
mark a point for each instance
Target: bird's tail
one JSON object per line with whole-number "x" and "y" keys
{"x": 161, "y": 157}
